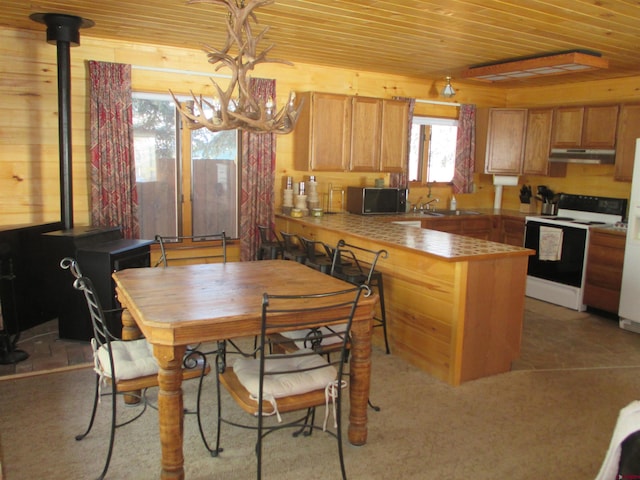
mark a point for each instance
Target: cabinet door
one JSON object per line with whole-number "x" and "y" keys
{"x": 628, "y": 131}
{"x": 366, "y": 114}
{"x": 512, "y": 231}
{"x": 395, "y": 136}
{"x": 505, "y": 140}
{"x": 567, "y": 127}
{"x": 604, "y": 271}
{"x": 599, "y": 129}
{"x": 449, "y": 225}
{"x": 479, "y": 227}
{"x": 538, "y": 141}
{"x": 330, "y": 132}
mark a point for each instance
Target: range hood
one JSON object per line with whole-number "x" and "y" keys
{"x": 582, "y": 155}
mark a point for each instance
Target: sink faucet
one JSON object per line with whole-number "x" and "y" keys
{"x": 426, "y": 205}
{"x": 417, "y": 206}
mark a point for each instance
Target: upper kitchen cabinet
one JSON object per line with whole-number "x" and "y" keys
{"x": 322, "y": 136}
{"x": 537, "y": 141}
{"x": 538, "y": 145}
{"x": 360, "y": 134}
{"x": 628, "y": 131}
{"x": 506, "y": 140}
{"x": 394, "y": 135}
{"x": 379, "y": 133}
{"x": 366, "y": 117}
{"x": 585, "y": 127}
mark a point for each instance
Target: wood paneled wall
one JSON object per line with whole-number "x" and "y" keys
{"x": 29, "y": 155}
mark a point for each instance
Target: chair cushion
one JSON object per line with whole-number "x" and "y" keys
{"x": 132, "y": 359}
{"x": 299, "y": 335}
{"x": 281, "y": 385}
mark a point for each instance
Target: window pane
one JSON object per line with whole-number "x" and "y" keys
{"x": 442, "y": 153}
{"x": 415, "y": 153}
{"x": 436, "y": 152}
{"x": 214, "y": 166}
{"x": 155, "y": 145}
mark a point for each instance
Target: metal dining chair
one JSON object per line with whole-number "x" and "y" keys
{"x": 128, "y": 366}
{"x": 357, "y": 265}
{"x": 272, "y": 385}
{"x": 270, "y": 246}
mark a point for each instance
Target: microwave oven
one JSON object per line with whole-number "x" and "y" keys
{"x": 370, "y": 200}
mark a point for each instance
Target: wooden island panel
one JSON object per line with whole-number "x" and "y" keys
{"x": 457, "y": 317}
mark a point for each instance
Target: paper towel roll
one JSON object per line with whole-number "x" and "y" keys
{"x": 505, "y": 180}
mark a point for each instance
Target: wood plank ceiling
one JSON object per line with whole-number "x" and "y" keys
{"x": 422, "y": 38}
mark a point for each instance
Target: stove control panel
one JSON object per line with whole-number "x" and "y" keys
{"x": 587, "y": 203}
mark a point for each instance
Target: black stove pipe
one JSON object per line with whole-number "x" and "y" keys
{"x": 63, "y": 31}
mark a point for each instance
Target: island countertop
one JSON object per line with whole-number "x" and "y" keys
{"x": 445, "y": 246}
{"x": 454, "y": 304}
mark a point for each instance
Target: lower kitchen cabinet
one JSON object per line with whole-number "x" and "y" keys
{"x": 604, "y": 269}
{"x": 476, "y": 227}
{"x": 511, "y": 231}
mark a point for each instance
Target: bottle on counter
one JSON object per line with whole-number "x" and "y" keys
{"x": 454, "y": 204}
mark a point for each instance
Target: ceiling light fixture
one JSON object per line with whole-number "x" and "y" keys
{"x": 448, "y": 91}
{"x": 235, "y": 107}
{"x": 541, "y": 65}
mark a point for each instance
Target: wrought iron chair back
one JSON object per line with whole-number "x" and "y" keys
{"x": 128, "y": 366}
{"x": 270, "y": 244}
{"x": 357, "y": 265}
{"x": 182, "y": 252}
{"x": 276, "y": 384}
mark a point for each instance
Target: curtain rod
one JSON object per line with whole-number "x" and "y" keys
{"x": 437, "y": 102}
{"x": 178, "y": 71}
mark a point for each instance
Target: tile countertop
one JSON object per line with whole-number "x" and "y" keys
{"x": 616, "y": 230}
{"x": 446, "y": 246}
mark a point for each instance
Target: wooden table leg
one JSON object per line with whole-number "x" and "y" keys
{"x": 360, "y": 368}
{"x": 130, "y": 330}
{"x": 170, "y": 410}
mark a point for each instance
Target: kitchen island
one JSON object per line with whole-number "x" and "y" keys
{"x": 455, "y": 304}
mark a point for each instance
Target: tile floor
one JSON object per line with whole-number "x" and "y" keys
{"x": 553, "y": 338}
{"x": 48, "y": 352}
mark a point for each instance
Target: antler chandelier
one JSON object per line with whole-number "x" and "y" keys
{"x": 235, "y": 107}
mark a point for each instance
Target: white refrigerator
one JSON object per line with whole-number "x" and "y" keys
{"x": 629, "y": 310}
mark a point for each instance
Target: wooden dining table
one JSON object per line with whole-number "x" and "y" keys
{"x": 184, "y": 305}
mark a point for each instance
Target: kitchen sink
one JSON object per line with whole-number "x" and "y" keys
{"x": 448, "y": 213}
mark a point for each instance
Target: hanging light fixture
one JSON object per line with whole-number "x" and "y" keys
{"x": 448, "y": 91}
{"x": 235, "y": 107}
{"x": 523, "y": 68}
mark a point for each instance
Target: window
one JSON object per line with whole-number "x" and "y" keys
{"x": 187, "y": 179}
{"x": 432, "y": 154}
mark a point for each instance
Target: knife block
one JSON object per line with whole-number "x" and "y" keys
{"x": 529, "y": 207}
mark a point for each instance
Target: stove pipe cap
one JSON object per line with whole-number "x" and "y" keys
{"x": 61, "y": 27}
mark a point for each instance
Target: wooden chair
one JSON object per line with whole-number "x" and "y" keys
{"x": 270, "y": 245}
{"x": 180, "y": 251}
{"x": 277, "y": 384}
{"x": 127, "y": 366}
{"x": 357, "y": 265}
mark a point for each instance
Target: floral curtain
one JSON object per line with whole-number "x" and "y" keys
{"x": 400, "y": 180}
{"x": 465, "y": 150}
{"x": 258, "y": 177}
{"x": 114, "y": 198}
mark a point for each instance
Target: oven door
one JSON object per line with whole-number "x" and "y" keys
{"x": 569, "y": 268}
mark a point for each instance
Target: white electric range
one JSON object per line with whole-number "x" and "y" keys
{"x": 557, "y": 271}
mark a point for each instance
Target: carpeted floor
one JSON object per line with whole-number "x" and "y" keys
{"x": 550, "y": 418}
